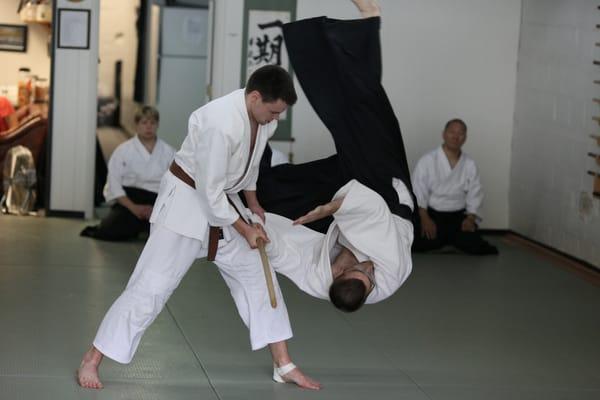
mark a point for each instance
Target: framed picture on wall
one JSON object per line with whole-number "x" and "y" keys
{"x": 13, "y": 38}
{"x": 73, "y": 29}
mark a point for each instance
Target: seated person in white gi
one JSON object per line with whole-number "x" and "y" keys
{"x": 218, "y": 159}
{"x": 134, "y": 172}
{"x": 449, "y": 195}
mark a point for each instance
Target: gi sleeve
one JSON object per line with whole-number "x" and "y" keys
{"x": 367, "y": 223}
{"x": 294, "y": 252}
{"x": 474, "y": 190}
{"x": 211, "y": 160}
{"x": 420, "y": 183}
{"x": 117, "y": 166}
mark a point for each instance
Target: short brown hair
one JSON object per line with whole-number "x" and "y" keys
{"x": 146, "y": 112}
{"x": 273, "y": 83}
{"x": 348, "y": 294}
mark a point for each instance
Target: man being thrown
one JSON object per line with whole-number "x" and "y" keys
{"x": 218, "y": 158}
{"x": 449, "y": 195}
{"x": 364, "y": 257}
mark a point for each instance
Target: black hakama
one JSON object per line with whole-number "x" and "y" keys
{"x": 338, "y": 65}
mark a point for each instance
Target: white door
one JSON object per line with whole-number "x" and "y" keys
{"x": 182, "y": 69}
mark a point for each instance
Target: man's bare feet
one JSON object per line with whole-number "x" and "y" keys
{"x": 367, "y": 8}
{"x": 296, "y": 376}
{"x": 87, "y": 373}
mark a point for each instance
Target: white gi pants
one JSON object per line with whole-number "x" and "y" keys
{"x": 164, "y": 261}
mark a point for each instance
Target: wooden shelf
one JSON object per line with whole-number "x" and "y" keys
{"x": 44, "y": 23}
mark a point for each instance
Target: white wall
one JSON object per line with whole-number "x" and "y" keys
{"x": 227, "y": 46}
{"x": 441, "y": 60}
{"x": 550, "y": 192}
{"x": 74, "y": 121}
{"x": 36, "y": 57}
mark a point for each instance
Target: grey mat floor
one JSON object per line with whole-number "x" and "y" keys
{"x": 508, "y": 327}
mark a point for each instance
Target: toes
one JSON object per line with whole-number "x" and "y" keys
{"x": 89, "y": 382}
{"x": 307, "y": 384}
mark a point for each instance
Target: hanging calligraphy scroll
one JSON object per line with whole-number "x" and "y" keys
{"x": 263, "y": 44}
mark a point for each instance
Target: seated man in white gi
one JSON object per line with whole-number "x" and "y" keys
{"x": 135, "y": 169}
{"x": 449, "y": 194}
{"x": 198, "y": 197}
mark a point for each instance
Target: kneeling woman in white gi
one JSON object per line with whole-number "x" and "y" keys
{"x": 134, "y": 172}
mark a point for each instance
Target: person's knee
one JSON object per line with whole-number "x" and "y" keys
{"x": 152, "y": 288}
{"x": 347, "y": 294}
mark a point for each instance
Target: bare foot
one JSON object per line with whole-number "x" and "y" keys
{"x": 367, "y": 8}
{"x": 87, "y": 373}
{"x": 296, "y": 376}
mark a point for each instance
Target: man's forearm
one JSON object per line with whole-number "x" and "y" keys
{"x": 251, "y": 197}
{"x": 241, "y": 226}
{"x": 126, "y": 202}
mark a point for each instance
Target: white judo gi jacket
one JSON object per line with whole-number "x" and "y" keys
{"x": 216, "y": 154}
{"x": 366, "y": 223}
{"x": 132, "y": 165}
{"x": 439, "y": 186}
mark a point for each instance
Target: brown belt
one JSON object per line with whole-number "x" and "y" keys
{"x": 215, "y": 233}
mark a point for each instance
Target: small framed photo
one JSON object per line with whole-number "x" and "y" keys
{"x": 13, "y": 38}
{"x": 73, "y": 28}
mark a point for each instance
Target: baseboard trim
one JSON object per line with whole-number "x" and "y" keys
{"x": 65, "y": 214}
{"x": 584, "y": 269}
{"x": 494, "y": 232}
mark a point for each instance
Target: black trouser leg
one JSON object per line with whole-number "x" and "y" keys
{"x": 473, "y": 243}
{"x": 120, "y": 224}
{"x": 423, "y": 244}
{"x": 450, "y": 223}
{"x": 345, "y": 90}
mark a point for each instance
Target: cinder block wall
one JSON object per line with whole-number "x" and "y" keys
{"x": 550, "y": 192}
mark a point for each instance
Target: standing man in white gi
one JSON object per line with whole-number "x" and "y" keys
{"x": 449, "y": 194}
{"x": 218, "y": 159}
